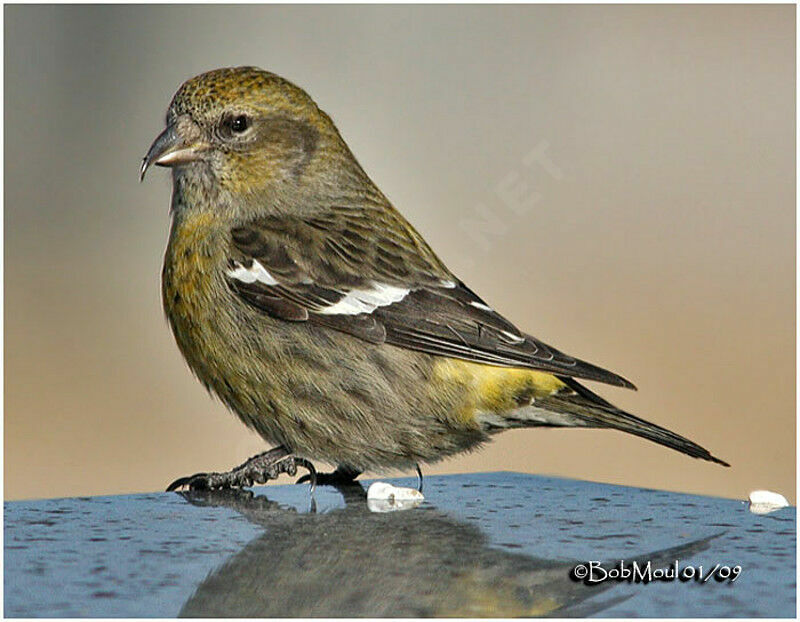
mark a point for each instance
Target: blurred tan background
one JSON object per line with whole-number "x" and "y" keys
{"x": 617, "y": 180}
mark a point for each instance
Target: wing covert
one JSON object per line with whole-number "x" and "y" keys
{"x": 311, "y": 270}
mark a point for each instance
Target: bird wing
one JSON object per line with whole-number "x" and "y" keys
{"x": 371, "y": 275}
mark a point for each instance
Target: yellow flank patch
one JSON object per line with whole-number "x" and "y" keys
{"x": 493, "y": 389}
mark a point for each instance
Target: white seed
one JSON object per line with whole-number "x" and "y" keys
{"x": 766, "y": 501}
{"x": 383, "y": 497}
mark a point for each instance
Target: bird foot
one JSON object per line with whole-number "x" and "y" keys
{"x": 258, "y": 469}
{"x": 342, "y": 476}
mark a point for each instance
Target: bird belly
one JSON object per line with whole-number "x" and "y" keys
{"x": 324, "y": 394}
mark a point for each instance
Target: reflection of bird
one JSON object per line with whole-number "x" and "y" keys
{"x": 350, "y": 563}
{"x": 308, "y": 304}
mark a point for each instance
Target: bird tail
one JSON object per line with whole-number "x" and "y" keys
{"x": 595, "y": 412}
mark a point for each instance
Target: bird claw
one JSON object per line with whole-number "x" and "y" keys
{"x": 259, "y": 469}
{"x": 198, "y": 481}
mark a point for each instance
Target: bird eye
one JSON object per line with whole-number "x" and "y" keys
{"x": 240, "y": 123}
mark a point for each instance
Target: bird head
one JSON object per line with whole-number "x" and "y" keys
{"x": 244, "y": 130}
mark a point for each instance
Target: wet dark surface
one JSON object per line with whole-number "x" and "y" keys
{"x": 481, "y": 545}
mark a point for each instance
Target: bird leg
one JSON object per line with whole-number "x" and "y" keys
{"x": 342, "y": 476}
{"x": 258, "y": 469}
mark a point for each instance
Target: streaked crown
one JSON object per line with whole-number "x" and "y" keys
{"x": 246, "y": 87}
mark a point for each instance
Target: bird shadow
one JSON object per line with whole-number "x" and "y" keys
{"x": 350, "y": 562}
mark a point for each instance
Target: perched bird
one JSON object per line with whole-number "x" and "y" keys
{"x": 313, "y": 309}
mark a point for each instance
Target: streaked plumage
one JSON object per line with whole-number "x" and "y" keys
{"x": 315, "y": 311}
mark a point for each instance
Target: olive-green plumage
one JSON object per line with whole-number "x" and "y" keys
{"x": 306, "y": 302}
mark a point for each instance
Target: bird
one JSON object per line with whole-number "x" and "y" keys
{"x": 302, "y": 298}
